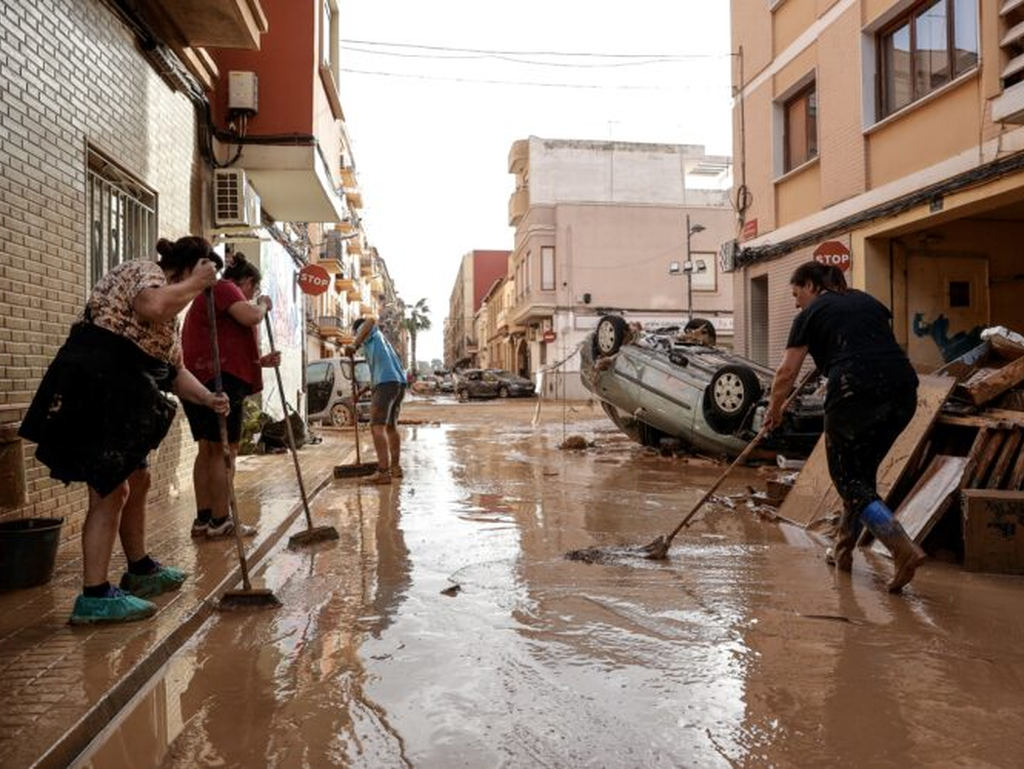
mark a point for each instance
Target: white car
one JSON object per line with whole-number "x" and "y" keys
{"x": 329, "y": 390}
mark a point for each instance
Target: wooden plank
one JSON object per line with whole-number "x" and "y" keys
{"x": 981, "y": 389}
{"x": 1003, "y": 462}
{"x": 986, "y": 459}
{"x": 1005, "y": 348}
{"x": 983, "y": 419}
{"x": 980, "y": 440}
{"x": 930, "y": 497}
{"x": 813, "y": 496}
{"x": 1016, "y": 479}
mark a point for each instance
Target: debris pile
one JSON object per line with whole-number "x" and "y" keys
{"x": 955, "y": 476}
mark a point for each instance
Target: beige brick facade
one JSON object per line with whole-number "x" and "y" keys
{"x": 71, "y": 77}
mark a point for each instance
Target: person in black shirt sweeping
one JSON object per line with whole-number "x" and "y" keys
{"x": 871, "y": 397}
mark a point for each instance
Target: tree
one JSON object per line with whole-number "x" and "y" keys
{"x": 417, "y": 319}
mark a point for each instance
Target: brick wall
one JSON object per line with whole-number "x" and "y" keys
{"x": 71, "y": 76}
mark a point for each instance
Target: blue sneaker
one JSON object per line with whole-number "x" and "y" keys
{"x": 163, "y": 579}
{"x": 115, "y": 606}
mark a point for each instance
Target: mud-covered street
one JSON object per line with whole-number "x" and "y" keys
{"x": 446, "y": 629}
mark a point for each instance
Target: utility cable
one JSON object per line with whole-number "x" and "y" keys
{"x": 538, "y": 53}
{"x": 515, "y": 59}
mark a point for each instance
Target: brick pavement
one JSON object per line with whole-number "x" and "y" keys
{"x": 60, "y": 685}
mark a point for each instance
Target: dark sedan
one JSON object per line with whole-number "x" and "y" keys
{"x": 491, "y": 383}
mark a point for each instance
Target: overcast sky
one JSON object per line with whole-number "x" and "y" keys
{"x": 431, "y": 147}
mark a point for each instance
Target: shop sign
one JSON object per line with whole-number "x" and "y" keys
{"x": 313, "y": 279}
{"x": 749, "y": 230}
{"x": 549, "y": 336}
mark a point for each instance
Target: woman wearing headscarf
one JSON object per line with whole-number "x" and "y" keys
{"x": 241, "y": 372}
{"x": 101, "y": 408}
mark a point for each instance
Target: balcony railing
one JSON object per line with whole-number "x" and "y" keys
{"x": 330, "y": 326}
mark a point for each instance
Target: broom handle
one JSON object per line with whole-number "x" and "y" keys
{"x": 743, "y": 455}
{"x": 355, "y": 407}
{"x": 222, "y": 423}
{"x": 288, "y": 426}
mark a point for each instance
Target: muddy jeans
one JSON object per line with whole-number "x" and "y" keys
{"x": 859, "y": 431}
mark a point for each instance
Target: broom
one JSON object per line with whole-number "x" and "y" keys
{"x": 658, "y": 549}
{"x": 312, "y": 533}
{"x": 248, "y": 596}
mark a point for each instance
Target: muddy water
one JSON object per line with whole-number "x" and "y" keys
{"x": 742, "y": 650}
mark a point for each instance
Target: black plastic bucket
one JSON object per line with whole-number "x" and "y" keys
{"x": 28, "y": 551}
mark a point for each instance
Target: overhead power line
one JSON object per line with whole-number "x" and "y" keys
{"x": 588, "y": 86}
{"x": 514, "y": 59}
{"x": 453, "y": 49}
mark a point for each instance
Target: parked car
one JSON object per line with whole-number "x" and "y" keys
{"x": 329, "y": 390}
{"x": 491, "y": 383}
{"x": 445, "y": 383}
{"x": 661, "y": 384}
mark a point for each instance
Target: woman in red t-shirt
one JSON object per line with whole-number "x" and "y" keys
{"x": 241, "y": 364}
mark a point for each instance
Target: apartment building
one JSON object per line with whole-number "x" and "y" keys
{"x": 478, "y": 270}
{"x": 885, "y": 136}
{"x": 125, "y": 122}
{"x": 601, "y": 227}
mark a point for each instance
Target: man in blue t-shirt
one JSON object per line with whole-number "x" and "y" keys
{"x": 387, "y": 378}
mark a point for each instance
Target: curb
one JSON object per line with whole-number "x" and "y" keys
{"x": 77, "y": 738}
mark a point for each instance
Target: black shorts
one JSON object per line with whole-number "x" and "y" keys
{"x": 202, "y": 420}
{"x": 386, "y": 402}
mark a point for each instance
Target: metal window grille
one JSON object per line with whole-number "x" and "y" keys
{"x": 122, "y": 217}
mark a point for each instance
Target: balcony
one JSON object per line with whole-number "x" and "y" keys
{"x": 343, "y": 284}
{"x": 216, "y": 23}
{"x": 293, "y": 182}
{"x": 348, "y": 177}
{"x": 519, "y": 156}
{"x": 355, "y": 293}
{"x": 332, "y": 265}
{"x": 354, "y": 197}
{"x": 366, "y": 267}
{"x": 518, "y": 203}
{"x": 355, "y": 245}
{"x": 329, "y": 327}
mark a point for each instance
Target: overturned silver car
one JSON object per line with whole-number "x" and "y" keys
{"x": 673, "y": 385}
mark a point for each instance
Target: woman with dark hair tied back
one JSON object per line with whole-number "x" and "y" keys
{"x": 871, "y": 398}
{"x": 241, "y": 374}
{"x": 100, "y": 409}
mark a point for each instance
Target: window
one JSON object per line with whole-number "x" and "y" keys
{"x": 925, "y": 49}
{"x": 959, "y": 293}
{"x": 800, "y": 128}
{"x": 528, "y": 273}
{"x": 122, "y": 217}
{"x": 547, "y": 268}
{"x": 319, "y": 373}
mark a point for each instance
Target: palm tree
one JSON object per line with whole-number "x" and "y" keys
{"x": 417, "y": 319}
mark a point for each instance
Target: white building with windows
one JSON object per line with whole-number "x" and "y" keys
{"x": 601, "y": 227}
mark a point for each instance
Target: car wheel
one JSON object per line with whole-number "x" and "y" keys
{"x": 341, "y": 415}
{"x": 732, "y": 392}
{"x": 503, "y": 392}
{"x": 462, "y": 395}
{"x": 650, "y": 436}
{"x": 702, "y": 327}
{"x": 609, "y": 335}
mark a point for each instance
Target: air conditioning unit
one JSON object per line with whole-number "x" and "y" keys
{"x": 235, "y": 202}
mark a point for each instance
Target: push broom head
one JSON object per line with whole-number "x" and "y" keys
{"x": 254, "y": 598}
{"x": 311, "y": 536}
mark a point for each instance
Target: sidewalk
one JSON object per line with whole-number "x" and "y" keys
{"x": 59, "y": 685}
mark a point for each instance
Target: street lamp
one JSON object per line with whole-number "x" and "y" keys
{"x": 689, "y": 266}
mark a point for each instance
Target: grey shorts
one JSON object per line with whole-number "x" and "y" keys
{"x": 386, "y": 402}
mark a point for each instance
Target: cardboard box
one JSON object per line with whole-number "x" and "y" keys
{"x": 993, "y": 526}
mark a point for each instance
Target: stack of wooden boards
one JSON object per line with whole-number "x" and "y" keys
{"x": 958, "y": 453}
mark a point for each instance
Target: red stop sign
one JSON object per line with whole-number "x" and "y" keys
{"x": 313, "y": 279}
{"x": 833, "y": 253}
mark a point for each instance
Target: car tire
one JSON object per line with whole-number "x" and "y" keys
{"x": 729, "y": 397}
{"x": 609, "y": 335}
{"x": 502, "y": 392}
{"x": 462, "y": 395}
{"x": 702, "y": 326}
{"x": 341, "y": 415}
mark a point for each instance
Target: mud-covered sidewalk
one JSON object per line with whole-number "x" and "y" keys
{"x": 60, "y": 685}
{"x": 445, "y": 628}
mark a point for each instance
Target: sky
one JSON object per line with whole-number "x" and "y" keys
{"x": 431, "y": 142}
